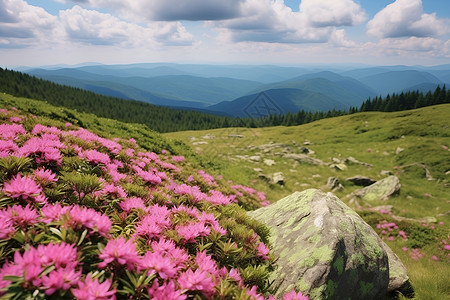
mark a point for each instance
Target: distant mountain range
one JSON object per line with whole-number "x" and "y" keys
{"x": 230, "y": 89}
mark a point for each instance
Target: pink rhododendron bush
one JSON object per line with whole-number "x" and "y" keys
{"x": 86, "y": 217}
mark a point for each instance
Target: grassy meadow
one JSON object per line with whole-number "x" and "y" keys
{"x": 406, "y": 144}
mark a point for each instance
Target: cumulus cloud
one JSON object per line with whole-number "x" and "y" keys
{"x": 171, "y": 10}
{"x": 93, "y": 27}
{"x": 22, "y": 24}
{"x": 273, "y": 21}
{"x": 326, "y": 13}
{"x": 406, "y": 18}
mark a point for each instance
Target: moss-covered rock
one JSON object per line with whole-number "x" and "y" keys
{"x": 380, "y": 190}
{"x": 325, "y": 249}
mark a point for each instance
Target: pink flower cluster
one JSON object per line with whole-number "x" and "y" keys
{"x": 144, "y": 219}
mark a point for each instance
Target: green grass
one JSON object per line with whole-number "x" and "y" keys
{"x": 372, "y": 137}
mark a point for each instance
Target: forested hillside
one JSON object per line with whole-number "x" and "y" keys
{"x": 164, "y": 119}
{"x": 158, "y": 118}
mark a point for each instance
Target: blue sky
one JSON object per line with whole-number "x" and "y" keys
{"x": 289, "y": 32}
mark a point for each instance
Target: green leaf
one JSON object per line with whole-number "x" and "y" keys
{"x": 83, "y": 235}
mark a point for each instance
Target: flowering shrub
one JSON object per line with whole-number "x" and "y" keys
{"x": 86, "y": 217}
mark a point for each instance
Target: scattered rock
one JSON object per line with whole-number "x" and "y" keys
{"x": 307, "y": 142}
{"x": 278, "y": 178}
{"x": 385, "y": 153}
{"x": 337, "y": 160}
{"x": 271, "y": 146}
{"x": 381, "y": 190}
{"x": 316, "y": 176}
{"x": 361, "y": 180}
{"x": 352, "y": 160}
{"x": 254, "y": 158}
{"x": 386, "y": 173}
{"x": 208, "y": 136}
{"x": 303, "y": 158}
{"x": 259, "y": 170}
{"x": 339, "y": 167}
{"x": 399, "y": 150}
{"x": 199, "y": 143}
{"x": 303, "y": 150}
{"x": 265, "y": 178}
{"x": 238, "y": 136}
{"x": 333, "y": 184}
{"x": 326, "y": 250}
{"x": 269, "y": 162}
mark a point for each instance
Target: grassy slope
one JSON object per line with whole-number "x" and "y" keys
{"x": 368, "y": 137}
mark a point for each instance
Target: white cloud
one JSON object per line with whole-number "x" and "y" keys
{"x": 93, "y": 27}
{"x": 326, "y": 13}
{"x": 22, "y": 24}
{"x": 170, "y": 10}
{"x": 274, "y": 22}
{"x": 406, "y": 18}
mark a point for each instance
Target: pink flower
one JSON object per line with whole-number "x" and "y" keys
{"x": 68, "y": 124}
{"x": 22, "y": 187}
{"x": 157, "y": 263}
{"x": 167, "y": 291}
{"x": 23, "y": 216}
{"x": 61, "y": 255}
{"x": 93, "y": 290}
{"x": 206, "y": 263}
{"x": 6, "y": 225}
{"x": 60, "y": 279}
{"x": 295, "y": 296}
{"x": 54, "y": 212}
{"x": 178, "y": 158}
{"x": 254, "y": 294}
{"x": 405, "y": 249}
{"x": 132, "y": 203}
{"x": 96, "y": 157}
{"x": 434, "y": 257}
{"x": 192, "y": 230}
{"x": 119, "y": 251}
{"x": 402, "y": 234}
{"x": 45, "y": 176}
{"x": 447, "y": 247}
{"x": 263, "y": 250}
{"x": 197, "y": 281}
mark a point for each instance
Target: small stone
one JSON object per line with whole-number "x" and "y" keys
{"x": 269, "y": 162}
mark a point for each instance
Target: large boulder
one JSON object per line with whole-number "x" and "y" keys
{"x": 325, "y": 249}
{"x": 380, "y": 190}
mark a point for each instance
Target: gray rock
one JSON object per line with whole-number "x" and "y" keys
{"x": 254, "y": 158}
{"x": 381, "y": 190}
{"x": 399, "y": 150}
{"x": 305, "y": 159}
{"x": 278, "y": 178}
{"x": 325, "y": 249}
{"x": 386, "y": 173}
{"x": 339, "y": 167}
{"x": 361, "y": 180}
{"x": 352, "y": 160}
{"x": 269, "y": 162}
{"x": 303, "y": 150}
{"x": 333, "y": 184}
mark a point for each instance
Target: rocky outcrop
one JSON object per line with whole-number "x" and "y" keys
{"x": 326, "y": 250}
{"x": 351, "y": 160}
{"x": 381, "y": 190}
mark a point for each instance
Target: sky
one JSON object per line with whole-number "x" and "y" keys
{"x": 289, "y": 32}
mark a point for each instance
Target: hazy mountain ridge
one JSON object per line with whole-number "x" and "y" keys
{"x": 229, "y": 89}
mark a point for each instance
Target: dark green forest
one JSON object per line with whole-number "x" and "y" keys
{"x": 165, "y": 119}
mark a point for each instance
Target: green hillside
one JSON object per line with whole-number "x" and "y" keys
{"x": 406, "y": 144}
